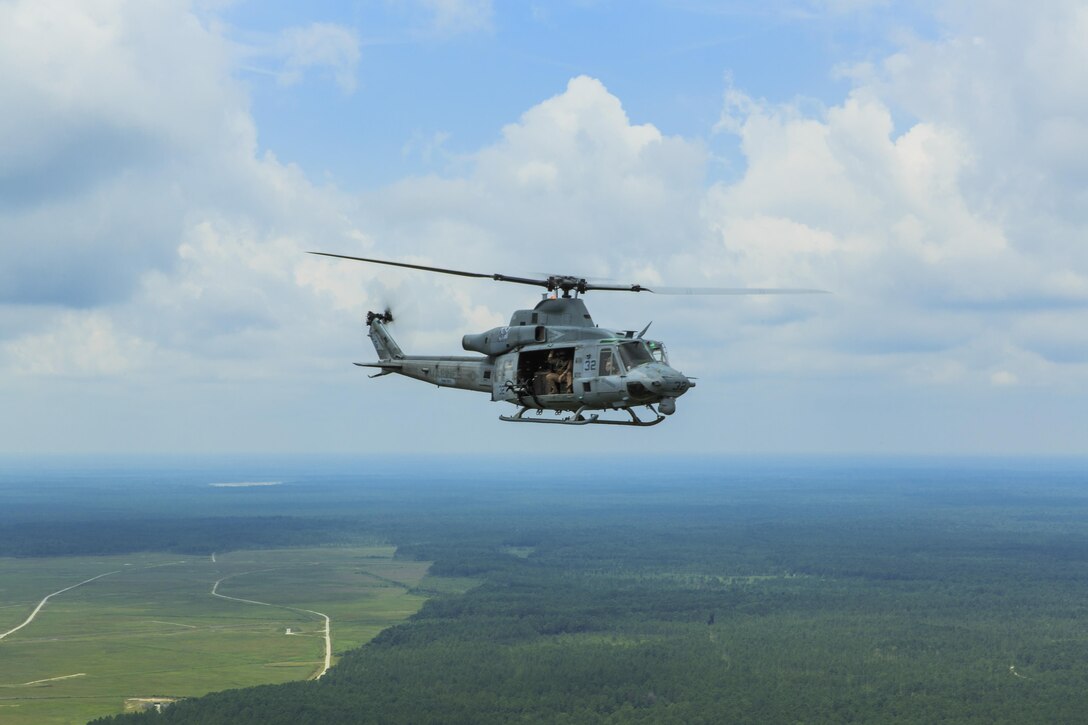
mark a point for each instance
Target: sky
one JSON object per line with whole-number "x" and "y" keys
{"x": 165, "y": 165}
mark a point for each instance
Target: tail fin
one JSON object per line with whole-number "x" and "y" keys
{"x": 386, "y": 346}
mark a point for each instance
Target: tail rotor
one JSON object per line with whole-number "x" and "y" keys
{"x": 385, "y": 316}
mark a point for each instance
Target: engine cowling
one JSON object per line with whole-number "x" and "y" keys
{"x": 501, "y": 340}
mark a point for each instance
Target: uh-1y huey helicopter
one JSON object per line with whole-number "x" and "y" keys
{"x": 553, "y": 357}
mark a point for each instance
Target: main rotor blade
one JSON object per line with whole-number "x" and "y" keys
{"x": 578, "y": 284}
{"x": 706, "y": 290}
{"x": 442, "y": 270}
{"x": 737, "y": 291}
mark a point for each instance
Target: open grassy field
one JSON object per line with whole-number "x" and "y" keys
{"x": 152, "y": 628}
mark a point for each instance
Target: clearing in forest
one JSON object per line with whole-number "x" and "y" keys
{"x": 153, "y": 629}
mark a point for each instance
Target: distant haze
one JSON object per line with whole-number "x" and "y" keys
{"x": 245, "y": 484}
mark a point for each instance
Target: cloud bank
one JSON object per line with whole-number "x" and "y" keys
{"x": 942, "y": 201}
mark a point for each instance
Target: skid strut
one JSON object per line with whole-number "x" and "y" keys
{"x": 581, "y": 418}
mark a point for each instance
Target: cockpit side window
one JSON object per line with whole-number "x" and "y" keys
{"x": 634, "y": 354}
{"x": 608, "y": 363}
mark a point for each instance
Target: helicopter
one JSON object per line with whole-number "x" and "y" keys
{"x": 553, "y": 357}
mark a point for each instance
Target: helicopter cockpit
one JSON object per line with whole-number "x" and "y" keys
{"x": 634, "y": 354}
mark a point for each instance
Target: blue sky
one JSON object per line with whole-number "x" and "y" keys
{"x": 667, "y": 62}
{"x": 164, "y": 166}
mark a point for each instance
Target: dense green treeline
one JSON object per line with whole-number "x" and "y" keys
{"x": 867, "y": 596}
{"x": 184, "y": 536}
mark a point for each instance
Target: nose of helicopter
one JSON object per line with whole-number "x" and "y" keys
{"x": 672, "y": 382}
{"x": 660, "y": 384}
{"x": 660, "y": 380}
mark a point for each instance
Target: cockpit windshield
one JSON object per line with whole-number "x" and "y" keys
{"x": 634, "y": 354}
{"x": 658, "y": 351}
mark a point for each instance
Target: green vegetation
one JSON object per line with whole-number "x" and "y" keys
{"x": 153, "y": 629}
{"x": 183, "y": 536}
{"x": 821, "y": 591}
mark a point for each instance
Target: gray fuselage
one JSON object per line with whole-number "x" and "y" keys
{"x": 552, "y": 357}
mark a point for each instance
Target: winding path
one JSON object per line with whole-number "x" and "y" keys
{"x": 328, "y": 622}
{"x": 50, "y": 596}
{"x": 54, "y": 679}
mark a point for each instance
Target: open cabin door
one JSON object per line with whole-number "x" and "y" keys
{"x": 547, "y": 372}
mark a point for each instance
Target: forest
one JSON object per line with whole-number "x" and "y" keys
{"x": 720, "y": 591}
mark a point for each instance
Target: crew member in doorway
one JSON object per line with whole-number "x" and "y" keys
{"x": 559, "y": 376}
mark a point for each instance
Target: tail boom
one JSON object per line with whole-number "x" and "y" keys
{"x": 467, "y": 373}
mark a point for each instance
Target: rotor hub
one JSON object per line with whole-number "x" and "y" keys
{"x": 567, "y": 284}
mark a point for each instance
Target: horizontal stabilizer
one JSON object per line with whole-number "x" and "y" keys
{"x": 390, "y": 365}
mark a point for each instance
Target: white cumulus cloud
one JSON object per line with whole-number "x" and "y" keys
{"x": 942, "y": 200}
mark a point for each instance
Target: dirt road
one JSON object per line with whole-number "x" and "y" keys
{"x": 50, "y": 596}
{"x": 328, "y": 622}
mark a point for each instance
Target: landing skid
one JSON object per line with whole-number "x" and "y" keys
{"x": 581, "y": 418}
